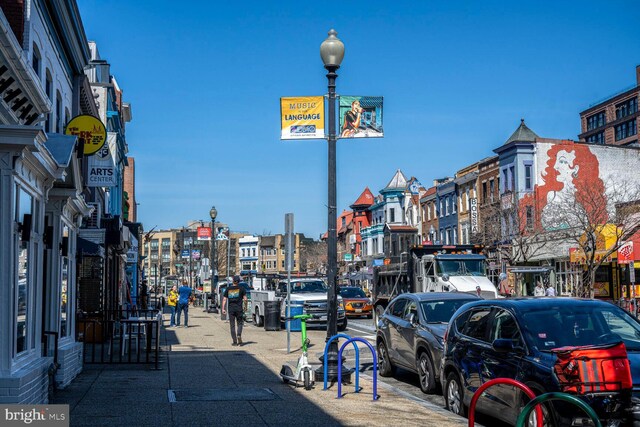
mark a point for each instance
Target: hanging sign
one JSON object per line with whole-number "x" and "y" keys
{"x": 302, "y": 117}
{"x": 473, "y": 208}
{"x": 204, "y": 233}
{"x": 361, "y": 117}
{"x": 101, "y": 169}
{"x": 625, "y": 253}
{"x": 89, "y": 130}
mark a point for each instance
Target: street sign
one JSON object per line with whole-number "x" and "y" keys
{"x": 348, "y": 257}
{"x": 184, "y": 254}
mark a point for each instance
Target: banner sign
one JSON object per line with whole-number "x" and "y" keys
{"x": 223, "y": 233}
{"x": 184, "y": 254}
{"x": 102, "y": 171}
{"x": 473, "y": 210}
{"x": 132, "y": 253}
{"x": 360, "y": 117}
{"x": 195, "y": 254}
{"x": 625, "y": 253}
{"x": 89, "y": 130}
{"x": 302, "y": 117}
{"x": 348, "y": 257}
{"x": 204, "y": 233}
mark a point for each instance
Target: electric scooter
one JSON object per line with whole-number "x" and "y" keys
{"x": 303, "y": 372}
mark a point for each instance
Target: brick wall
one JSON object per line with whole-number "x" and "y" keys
{"x": 27, "y": 385}
{"x": 70, "y": 360}
{"x": 14, "y": 11}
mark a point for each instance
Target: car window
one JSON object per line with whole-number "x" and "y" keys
{"x": 441, "y": 311}
{"x": 478, "y": 323}
{"x": 505, "y": 327}
{"x": 352, "y": 293}
{"x": 411, "y": 308}
{"x": 397, "y": 308}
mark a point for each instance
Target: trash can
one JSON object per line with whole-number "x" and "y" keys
{"x": 272, "y": 315}
{"x": 295, "y": 309}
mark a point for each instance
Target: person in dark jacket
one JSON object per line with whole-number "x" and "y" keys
{"x": 234, "y": 300}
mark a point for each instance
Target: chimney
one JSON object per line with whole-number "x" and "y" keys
{"x": 638, "y": 75}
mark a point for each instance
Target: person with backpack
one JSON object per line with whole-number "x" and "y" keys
{"x": 172, "y": 302}
{"x": 184, "y": 297}
{"x": 234, "y": 299}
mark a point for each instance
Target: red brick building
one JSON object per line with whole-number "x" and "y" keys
{"x": 361, "y": 217}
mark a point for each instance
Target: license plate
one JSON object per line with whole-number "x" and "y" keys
{"x": 358, "y": 310}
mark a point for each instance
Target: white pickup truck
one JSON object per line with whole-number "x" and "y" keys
{"x": 310, "y": 292}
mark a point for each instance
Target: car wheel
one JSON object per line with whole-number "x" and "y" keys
{"x": 426, "y": 373}
{"x": 385, "y": 367}
{"x": 453, "y": 395}
{"x": 343, "y": 326}
{"x": 547, "y": 413}
{"x": 257, "y": 319}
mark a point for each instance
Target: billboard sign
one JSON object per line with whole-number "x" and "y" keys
{"x": 89, "y": 130}
{"x": 625, "y": 253}
{"x": 473, "y": 209}
{"x": 204, "y": 233}
{"x": 101, "y": 169}
{"x": 360, "y": 117}
{"x": 302, "y": 117}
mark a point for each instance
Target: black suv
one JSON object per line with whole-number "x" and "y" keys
{"x": 411, "y": 332}
{"x": 514, "y": 338}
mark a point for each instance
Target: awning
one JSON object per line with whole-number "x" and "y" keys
{"x": 532, "y": 269}
{"x": 88, "y": 248}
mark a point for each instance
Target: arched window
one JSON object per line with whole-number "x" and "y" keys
{"x": 67, "y": 117}
{"x": 48, "y": 88}
{"x": 59, "y": 123}
{"x": 36, "y": 59}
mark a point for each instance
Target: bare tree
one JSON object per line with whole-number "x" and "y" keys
{"x": 597, "y": 223}
{"x": 313, "y": 256}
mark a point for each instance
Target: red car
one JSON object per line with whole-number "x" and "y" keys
{"x": 356, "y": 303}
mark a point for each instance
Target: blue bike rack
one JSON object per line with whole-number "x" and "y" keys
{"x": 326, "y": 349}
{"x": 375, "y": 366}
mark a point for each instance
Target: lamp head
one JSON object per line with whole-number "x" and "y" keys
{"x": 332, "y": 50}
{"x": 213, "y": 213}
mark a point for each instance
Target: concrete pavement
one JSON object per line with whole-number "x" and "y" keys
{"x": 204, "y": 381}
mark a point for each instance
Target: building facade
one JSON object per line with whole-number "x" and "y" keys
{"x": 468, "y": 216}
{"x": 447, "y": 204}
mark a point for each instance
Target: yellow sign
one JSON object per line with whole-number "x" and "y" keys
{"x": 302, "y": 117}
{"x": 89, "y": 130}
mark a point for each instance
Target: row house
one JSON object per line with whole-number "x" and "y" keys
{"x": 466, "y": 180}
{"x": 361, "y": 220}
{"x": 446, "y": 205}
{"x": 346, "y": 241}
{"x": 429, "y": 216}
{"x": 45, "y": 196}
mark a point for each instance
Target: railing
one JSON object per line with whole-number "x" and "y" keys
{"x": 121, "y": 336}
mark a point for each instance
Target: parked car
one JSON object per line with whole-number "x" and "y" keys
{"x": 514, "y": 338}
{"x": 411, "y": 332}
{"x": 356, "y": 303}
{"x": 312, "y": 294}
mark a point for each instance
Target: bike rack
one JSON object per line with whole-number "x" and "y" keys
{"x": 508, "y": 381}
{"x": 375, "y": 366}
{"x": 557, "y": 396}
{"x": 326, "y": 349}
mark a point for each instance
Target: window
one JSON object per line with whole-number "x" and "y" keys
{"x": 154, "y": 245}
{"x": 512, "y": 171}
{"x": 626, "y": 108}
{"x": 595, "y": 121}
{"x": 64, "y": 295}
{"x": 527, "y": 177}
{"x": 484, "y": 192}
{"x": 505, "y": 327}
{"x": 26, "y": 277}
{"x": 597, "y": 138}
{"x": 428, "y": 209}
{"x": 411, "y": 308}
{"x": 491, "y": 190}
{"x": 625, "y": 129}
{"x": 446, "y": 206}
{"x": 48, "y": 88}
{"x": 505, "y": 179}
{"x": 59, "y": 124}
{"x": 441, "y": 208}
{"x": 253, "y": 251}
{"x": 454, "y": 204}
{"x": 36, "y": 59}
{"x": 455, "y": 236}
{"x": 476, "y": 326}
{"x": 529, "y": 217}
{"x": 392, "y": 215}
{"x": 397, "y": 308}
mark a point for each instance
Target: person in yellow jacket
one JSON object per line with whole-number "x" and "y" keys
{"x": 172, "y": 302}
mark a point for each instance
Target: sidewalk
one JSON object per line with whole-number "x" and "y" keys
{"x": 204, "y": 381}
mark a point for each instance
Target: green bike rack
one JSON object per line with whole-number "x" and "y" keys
{"x": 522, "y": 418}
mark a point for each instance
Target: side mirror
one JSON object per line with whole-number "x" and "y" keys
{"x": 503, "y": 345}
{"x": 445, "y": 277}
{"x": 413, "y": 319}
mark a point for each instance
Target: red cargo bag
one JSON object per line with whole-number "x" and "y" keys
{"x": 593, "y": 368}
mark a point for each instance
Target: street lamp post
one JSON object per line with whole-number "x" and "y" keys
{"x": 332, "y": 52}
{"x": 213, "y": 213}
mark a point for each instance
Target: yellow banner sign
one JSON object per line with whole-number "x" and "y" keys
{"x": 89, "y": 130}
{"x": 302, "y": 117}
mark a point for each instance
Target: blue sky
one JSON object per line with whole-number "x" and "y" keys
{"x": 204, "y": 79}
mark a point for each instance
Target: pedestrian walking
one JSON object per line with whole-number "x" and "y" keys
{"x": 234, "y": 299}
{"x": 172, "y": 302}
{"x": 551, "y": 291}
{"x": 184, "y": 295}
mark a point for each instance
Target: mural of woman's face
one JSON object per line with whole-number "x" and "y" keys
{"x": 564, "y": 166}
